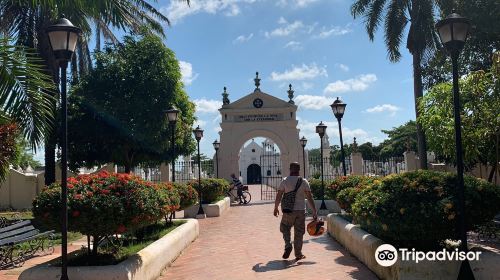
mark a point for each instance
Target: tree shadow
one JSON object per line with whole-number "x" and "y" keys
{"x": 279, "y": 265}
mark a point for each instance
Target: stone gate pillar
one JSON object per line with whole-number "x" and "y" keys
{"x": 357, "y": 163}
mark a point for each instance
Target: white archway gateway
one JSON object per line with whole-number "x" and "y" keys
{"x": 258, "y": 114}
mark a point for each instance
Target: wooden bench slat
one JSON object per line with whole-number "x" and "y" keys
{"x": 16, "y": 232}
{"x": 16, "y": 225}
{"x": 18, "y": 238}
{"x": 40, "y": 234}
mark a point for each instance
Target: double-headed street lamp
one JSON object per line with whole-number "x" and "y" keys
{"x": 216, "y": 147}
{"x": 63, "y": 37}
{"x": 198, "y": 134}
{"x": 338, "y": 108}
{"x": 321, "y": 130}
{"x": 172, "y": 115}
{"x": 453, "y": 31}
{"x": 303, "y": 142}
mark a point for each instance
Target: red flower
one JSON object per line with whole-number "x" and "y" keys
{"x": 121, "y": 229}
{"x": 72, "y": 180}
{"x": 76, "y": 213}
{"x": 78, "y": 196}
{"x": 105, "y": 192}
{"x": 70, "y": 186}
{"x": 90, "y": 194}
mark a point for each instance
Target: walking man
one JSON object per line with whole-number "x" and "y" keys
{"x": 295, "y": 217}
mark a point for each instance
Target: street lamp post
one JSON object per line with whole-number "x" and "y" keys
{"x": 321, "y": 129}
{"x": 216, "y": 147}
{"x": 338, "y": 108}
{"x": 198, "y": 134}
{"x": 303, "y": 142}
{"x": 453, "y": 31}
{"x": 63, "y": 37}
{"x": 172, "y": 115}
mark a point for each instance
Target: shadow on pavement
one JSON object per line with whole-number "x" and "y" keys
{"x": 279, "y": 265}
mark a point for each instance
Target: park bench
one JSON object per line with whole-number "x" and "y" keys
{"x": 20, "y": 241}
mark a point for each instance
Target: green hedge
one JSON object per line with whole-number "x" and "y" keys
{"x": 344, "y": 189}
{"x": 419, "y": 209}
{"x": 212, "y": 189}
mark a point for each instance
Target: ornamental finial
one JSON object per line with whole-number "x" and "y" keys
{"x": 257, "y": 81}
{"x": 225, "y": 99}
{"x": 290, "y": 94}
{"x": 355, "y": 146}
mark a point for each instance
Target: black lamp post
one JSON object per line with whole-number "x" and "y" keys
{"x": 321, "y": 129}
{"x": 216, "y": 147}
{"x": 303, "y": 142}
{"x": 198, "y": 134}
{"x": 453, "y": 31}
{"x": 338, "y": 108}
{"x": 172, "y": 115}
{"x": 63, "y": 37}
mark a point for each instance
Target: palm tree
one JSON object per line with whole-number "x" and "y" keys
{"x": 421, "y": 41}
{"x": 24, "y": 85}
{"x": 27, "y": 20}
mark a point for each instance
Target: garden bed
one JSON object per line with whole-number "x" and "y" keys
{"x": 363, "y": 245}
{"x": 144, "y": 265}
{"x": 211, "y": 210}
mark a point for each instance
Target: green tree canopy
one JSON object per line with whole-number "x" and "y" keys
{"x": 484, "y": 39}
{"x": 400, "y": 139}
{"x": 480, "y": 102}
{"x": 117, "y": 111}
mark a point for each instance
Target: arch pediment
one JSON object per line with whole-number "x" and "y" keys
{"x": 268, "y": 102}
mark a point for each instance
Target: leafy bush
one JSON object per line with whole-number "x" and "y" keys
{"x": 419, "y": 209}
{"x": 344, "y": 182}
{"x": 104, "y": 204}
{"x": 315, "y": 185}
{"x": 187, "y": 194}
{"x": 212, "y": 189}
{"x": 170, "y": 195}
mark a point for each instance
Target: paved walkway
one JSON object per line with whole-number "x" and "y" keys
{"x": 245, "y": 243}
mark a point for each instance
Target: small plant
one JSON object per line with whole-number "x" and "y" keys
{"x": 212, "y": 189}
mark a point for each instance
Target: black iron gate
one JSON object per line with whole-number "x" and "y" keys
{"x": 272, "y": 173}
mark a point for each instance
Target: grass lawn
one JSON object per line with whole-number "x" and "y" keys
{"x": 109, "y": 255}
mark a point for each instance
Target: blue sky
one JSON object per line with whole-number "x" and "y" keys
{"x": 315, "y": 45}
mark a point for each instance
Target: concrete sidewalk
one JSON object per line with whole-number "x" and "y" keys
{"x": 246, "y": 243}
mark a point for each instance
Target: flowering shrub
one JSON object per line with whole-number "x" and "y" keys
{"x": 170, "y": 195}
{"x": 344, "y": 189}
{"x": 419, "y": 209}
{"x": 187, "y": 194}
{"x": 315, "y": 185}
{"x": 103, "y": 204}
{"x": 212, "y": 189}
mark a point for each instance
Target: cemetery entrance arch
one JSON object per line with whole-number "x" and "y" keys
{"x": 257, "y": 114}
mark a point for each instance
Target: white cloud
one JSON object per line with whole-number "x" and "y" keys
{"x": 384, "y": 108}
{"x": 295, "y": 3}
{"x": 177, "y": 10}
{"x": 294, "y": 45}
{"x": 200, "y": 123}
{"x": 308, "y": 129}
{"x": 243, "y": 38}
{"x": 303, "y": 72}
{"x": 360, "y": 83}
{"x": 286, "y": 29}
{"x": 187, "y": 72}
{"x": 207, "y": 106}
{"x": 343, "y": 67}
{"x": 333, "y": 31}
{"x": 313, "y": 102}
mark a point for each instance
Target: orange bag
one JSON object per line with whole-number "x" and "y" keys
{"x": 315, "y": 228}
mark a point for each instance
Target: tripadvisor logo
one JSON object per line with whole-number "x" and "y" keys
{"x": 387, "y": 255}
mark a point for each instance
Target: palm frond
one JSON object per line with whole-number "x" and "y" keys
{"x": 373, "y": 17}
{"x": 395, "y": 25}
{"x": 25, "y": 91}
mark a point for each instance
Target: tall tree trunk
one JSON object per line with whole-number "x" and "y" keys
{"x": 418, "y": 93}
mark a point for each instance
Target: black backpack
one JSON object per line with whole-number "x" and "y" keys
{"x": 288, "y": 199}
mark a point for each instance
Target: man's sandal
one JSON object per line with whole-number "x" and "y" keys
{"x": 300, "y": 257}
